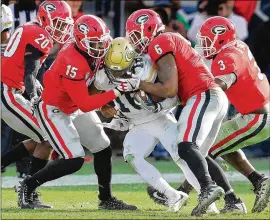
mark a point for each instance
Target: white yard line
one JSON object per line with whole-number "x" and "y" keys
{"x": 76, "y": 180}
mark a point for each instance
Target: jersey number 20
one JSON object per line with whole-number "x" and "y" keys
{"x": 16, "y": 38}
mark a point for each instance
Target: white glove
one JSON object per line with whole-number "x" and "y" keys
{"x": 118, "y": 124}
{"x": 128, "y": 85}
{"x": 39, "y": 87}
{"x": 34, "y": 102}
{"x": 147, "y": 104}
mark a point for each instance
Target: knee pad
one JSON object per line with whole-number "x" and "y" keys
{"x": 185, "y": 148}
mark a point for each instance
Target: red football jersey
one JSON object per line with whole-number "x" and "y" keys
{"x": 66, "y": 82}
{"x": 251, "y": 89}
{"x": 193, "y": 75}
{"x": 13, "y": 59}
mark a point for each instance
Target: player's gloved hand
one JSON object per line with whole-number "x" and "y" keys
{"x": 34, "y": 100}
{"x": 137, "y": 65}
{"x": 128, "y": 85}
{"x": 118, "y": 124}
{"x": 147, "y": 103}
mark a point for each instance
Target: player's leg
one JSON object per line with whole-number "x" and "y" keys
{"x": 138, "y": 144}
{"x": 65, "y": 140}
{"x": 16, "y": 111}
{"x": 93, "y": 137}
{"x": 195, "y": 124}
{"x": 240, "y": 132}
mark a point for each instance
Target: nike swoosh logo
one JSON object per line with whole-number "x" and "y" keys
{"x": 133, "y": 87}
{"x": 158, "y": 197}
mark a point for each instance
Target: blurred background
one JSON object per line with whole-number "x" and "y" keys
{"x": 251, "y": 19}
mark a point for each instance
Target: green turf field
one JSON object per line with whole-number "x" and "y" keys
{"x": 80, "y": 202}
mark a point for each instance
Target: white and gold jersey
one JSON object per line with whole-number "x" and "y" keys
{"x": 126, "y": 103}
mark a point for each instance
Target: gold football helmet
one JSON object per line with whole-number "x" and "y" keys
{"x": 119, "y": 58}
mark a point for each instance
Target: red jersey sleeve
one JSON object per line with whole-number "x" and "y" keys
{"x": 39, "y": 38}
{"x": 161, "y": 46}
{"x": 78, "y": 92}
{"x": 223, "y": 65}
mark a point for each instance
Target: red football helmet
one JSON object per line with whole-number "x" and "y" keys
{"x": 141, "y": 28}
{"x": 215, "y": 34}
{"x": 92, "y": 35}
{"x": 55, "y": 17}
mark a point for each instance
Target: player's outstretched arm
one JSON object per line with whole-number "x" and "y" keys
{"x": 168, "y": 77}
{"x": 78, "y": 92}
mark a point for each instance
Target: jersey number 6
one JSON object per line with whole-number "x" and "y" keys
{"x": 158, "y": 49}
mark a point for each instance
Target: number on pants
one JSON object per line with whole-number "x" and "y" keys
{"x": 42, "y": 41}
{"x": 13, "y": 43}
{"x": 222, "y": 65}
{"x": 158, "y": 49}
{"x": 71, "y": 71}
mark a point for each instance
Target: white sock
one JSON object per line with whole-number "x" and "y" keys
{"x": 152, "y": 176}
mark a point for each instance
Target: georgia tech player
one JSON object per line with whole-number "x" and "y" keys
{"x": 147, "y": 122}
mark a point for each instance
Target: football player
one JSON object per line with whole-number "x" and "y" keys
{"x": 147, "y": 123}
{"x": 237, "y": 73}
{"x": 64, "y": 113}
{"x": 182, "y": 72}
{"x": 27, "y": 48}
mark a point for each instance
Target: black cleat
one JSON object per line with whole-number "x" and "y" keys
{"x": 114, "y": 204}
{"x": 262, "y": 191}
{"x": 156, "y": 196}
{"x": 206, "y": 198}
{"x": 234, "y": 207}
{"x": 25, "y": 197}
{"x": 37, "y": 203}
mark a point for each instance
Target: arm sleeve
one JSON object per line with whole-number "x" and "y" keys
{"x": 78, "y": 92}
{"x": 31, "y": 65}
{"x": 161, "y": 46}
{"x": 228, "y": 79}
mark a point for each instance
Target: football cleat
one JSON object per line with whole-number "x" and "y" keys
{"x": 25, "y": 197}
{"x": 206, "y": 198}
{"x": 235, "y": 207}
{"x": 262, "y": 191}
{"x": 156, "y": 196}
{"x": 37, "y": 203}
{"x": 212, "y": 209}
{"x": 114, "y": 204}
{"x": 176, "y": 202}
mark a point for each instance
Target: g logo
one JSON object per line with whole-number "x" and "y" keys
{"x": 50, "y": 7}
{"x": 219, "y": 30}
{"x": 142, "y": 19}
{"x": 83, "y": 28}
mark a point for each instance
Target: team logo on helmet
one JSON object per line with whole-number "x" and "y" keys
{"x": 219, "y": 29}
{"x": 142, "y": 19}
{"x": 129, "y": 55}
{"x": 50, "y": 7}
{"x": 83, "y": 28}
